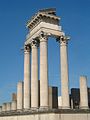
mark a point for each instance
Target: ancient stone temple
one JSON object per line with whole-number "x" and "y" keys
{"x": 43, "y": 25}
{"x": 35, "y": 99}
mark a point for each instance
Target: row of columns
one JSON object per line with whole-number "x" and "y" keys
{"x": 83, "y": 95}
{"x": 83, "y": 103}
{"x": 44, "y": 99}
{"x": 17, "y": 102}
{"x": 31, "y": 78}
{"x": 10, "y": 106}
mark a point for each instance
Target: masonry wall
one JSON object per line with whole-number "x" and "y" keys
{"x": 49, "y": 116}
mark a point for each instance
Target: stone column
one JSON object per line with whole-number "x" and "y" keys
{"x": 8, "y": 106}
{"x": 14, "y": 105}
{"x": 59, "y": 102}
{"x": 64, "y": 72}
{"x": 20, "y": 95}
{"x": 0, "y": 109}
{"x": 27, "y": 77}
{"x": 44, "y": 97}
{"x": 34, "y": 75}
{"x": 71, "y": 103}
{"x": 14, "y": 96}
{"x": 83, "y": 93}
{"x": 4, "y": 107}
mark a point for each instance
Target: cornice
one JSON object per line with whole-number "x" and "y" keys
{"x": 39, "y": 17}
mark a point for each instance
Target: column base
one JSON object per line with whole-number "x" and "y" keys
{"x": 19, "y": 110}
{"x": 65, "y": 107}
{"x": 34, "y": 108}
{"x": 44, "y": 107}
{"x": 59, "y": 107}
{"x": 84, "y": 107}
{"x": 27, "y": 109}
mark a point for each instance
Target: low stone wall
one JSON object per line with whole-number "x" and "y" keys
{"x": 46, "y": 115}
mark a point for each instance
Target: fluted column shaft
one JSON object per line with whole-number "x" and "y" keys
{"x": 34, "y": 76}
{"x": 20, "y": 95}
{"x": 14, "y": 105}
{"x": 14, "y": 96}
{"x": 27, "y": 77}
{"x": 44, "y": 100}
{"x": 64, "y": 73}
{"x": 83, "y": 93}
{"x": 0, "y": 109}
{"x": 8, "y": 106}
{"x": 4, "y": 107}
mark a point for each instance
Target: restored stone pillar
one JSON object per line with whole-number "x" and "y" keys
{"x": 8, "y": 106}
{"x": 44, "y": 97}
{"x": 20, "y": 95}
{"x": 14, "y": 96}
{"x": 64, "y": 72}
{"x": 83, "y": 93}
{"x": 27, "y": 77}
{"x": 4, "y": 107}
{"x": 34, "y": 75}
{"x": 14, "y": 105}
{"x": 59, "y": 102}
{"x": 71, "y": 103}
{"x": 53, "y": 97}
{"x": 0, "y": 109}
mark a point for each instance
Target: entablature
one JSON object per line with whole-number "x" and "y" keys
{"x": 43, "y": 16}
{"x": 45, "y": 20}
{"x": 50, "y": 33}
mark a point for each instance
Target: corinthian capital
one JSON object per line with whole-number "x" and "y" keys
{"x": 27, "y": 48}
{"x": 64, "y": 40}
{"x": 34, "y": 43}
{"x": 43, "y": 37}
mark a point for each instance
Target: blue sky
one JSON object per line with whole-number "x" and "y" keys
{"x": 75, "y": 21}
